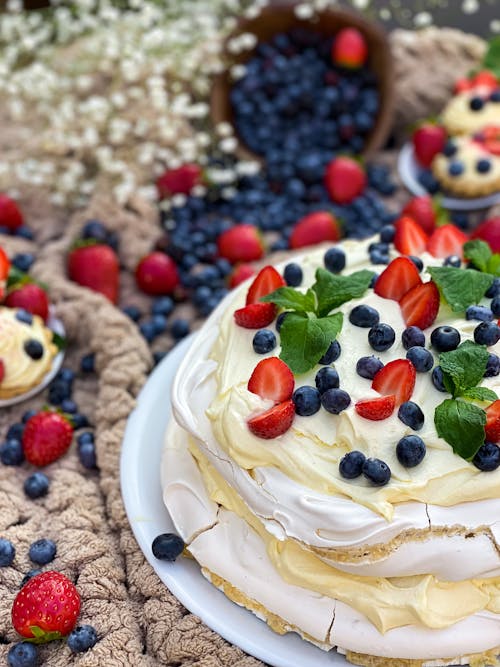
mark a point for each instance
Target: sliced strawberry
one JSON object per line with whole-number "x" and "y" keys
{"x": 272, "y": 379}
{"x": 396, "y": 377}
{"x": 266, "y": 281}
{"x": 426, "y": 211}
{"x": 410, "y": 238}
{"x": 376, "y": 409}
{"x": 462, "y": 85}
{"x": 420, "y": 305}
{"x": 492, "y": 427}
{"x": 489, "y": 139}
{"x": 485, "y": 79}
{"x": 447, "y": 240}
{"x": 255, "y": 315}
{"x": 397, "y": 279}
{"x": 240, "y": 273}
{"x": 274, "y": 422}
{"x": 4, "y": 265}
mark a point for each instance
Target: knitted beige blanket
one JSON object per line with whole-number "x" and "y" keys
{"x": 139, "y": 622}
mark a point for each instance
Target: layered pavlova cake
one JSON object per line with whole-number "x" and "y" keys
{"x": 333, "y": 464}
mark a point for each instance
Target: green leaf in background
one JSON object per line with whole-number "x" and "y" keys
{"x": 332, "y": 290}
{"x": 461, "y": 424}
{"x": 464, "y": 366}
{"x": 491, "y": 59}
{"x": 479, "y": 253}
{"x": 460, "y": 289}
{"x": 480, "y": 394}
{"x": 292, "y": 299}
{"x": 304, "y": 340}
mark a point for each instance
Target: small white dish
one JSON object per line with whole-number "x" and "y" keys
{"x": 408, "y": 170}
{"x": 58, "y": 327}
{"x": 142, "y": 495}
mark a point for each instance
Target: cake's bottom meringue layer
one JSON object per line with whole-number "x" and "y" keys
{"x": 239, "y": 559}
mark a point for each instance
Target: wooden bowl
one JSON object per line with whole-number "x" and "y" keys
{"x": 280, "y": 17}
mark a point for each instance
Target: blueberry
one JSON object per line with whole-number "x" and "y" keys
{"x": 79, "y": 421}
{"x": 94, "y": 229}
{"x": 437, "y": 379}
{"x": 332, "y": 354}
{"x": 450, "y": 148}
{"x": 412, "y": 336}
{"x": 87, "y": 363}
{"x": 7, "y": 552}
{"x": 28, "y": 415}
{"x": 66, "y": 375}
{"x": 82, "y": 638}
{"x": 159, "y": 324}
{"x": 15, "y": 431}
{"x": 29, "y": 575}
{"x": 351, "y": 465}
{"x": 495, "y": 95}
{"x": 427, "y": 179}
{"x": 411, "y": 415}
{"x": 334, "y": 260}
{"x": 280, "y": 319}
{"x": 134, "y": 312}
{"x": 417, "y": 262}
{"x": 167, "y": 546}
{"x": 495, "y": 306}
{"x": 23, "y": 654}
{"x": 87, "y": 455}
{"x": 293, "y": 274}
{"x": 82, "y": 438}
{"x": 307, "y": 400}
{"x": 36, "y": 485}
{"x": 11, "y": 453}
{"x": 264, "y": 341}
{"x": 23, "y": 316}
{"x": 487, "y": 333}
{"x": 179, "y": 328}
{"x": 421, "y": 358}
{"x": 69, "y": 406}
{"x": 376, "y": 471}
{"x": 381, "y": 337}
{"x": 487, "y": 457}
{"x": 326, "y": 378}
{"x": 335, "y": 400}
{"x": 410, "y": 450}
{"x": 481, "y": 313}
{"x": 368, "y": 367}
{"x": 452, "y": 260}
{"x": 162, "y": 305}
{"x": 492, "y": 366}
{"x": 23, "y": 261}
{"x": 24, "y": 233}
{"x": 42, "y": 551}
{"x": 445, "y": 338}
{"x": 483, "y": 166}
{"x": 148, "y": 331}
{"x": 364, "y": 316}
{"x": 33, "y": 349}
{"x": 455, "y": 168}
{"x": 493, "y": 290}
{"x": 378, "y": 257}
{"x": 476, "y": 103}
{"x": 387, "y": 233}
{"x": 59, "y": 390}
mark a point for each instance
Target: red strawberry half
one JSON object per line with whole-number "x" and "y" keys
{"x": 420, "y": 305}
{"x": 410, "y": 238}
{"x": 46, "y": 607}
{"x": 396, "y": 378}
{"x": 255, "y": 315}
{"x": 428, "y": 140}
{"x": 4, "y": 265}
{"x": 31, "y": 297}
{"x": 46, "y": 437}
{"x": 266, "y": 281}
{"x": 447, "y": 240}
{"x": 315, "y": 228}
{"x": 345, "y": 179}
{"x": 272, "y": 379}
{"x": 240, "y": 273}
{"x": 492, "y": 427}
{"x": 242, "y": 243}
{"x": 95, "y": 266}
{"x": 349, "y": 48}
{"x": 376, "y": 409}
{"x": 397, "y": 279}
{"x": 274, "y": 422}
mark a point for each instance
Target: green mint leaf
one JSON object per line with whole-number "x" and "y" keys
{"x": 479, "y": 253}
{"x": 491, "y": 58}
{"x": 333, "y": 290}
{"x": 480, "y": 394}
{"x": 59, "y": 341}
{"x": 292, "y": 299}
{"x": 494, "y": 265}
{"x": 464, "y": 367}
{"x": 304, "y": 340}
{"x": 460, "y": 288}
{"x": 461, "y": 424}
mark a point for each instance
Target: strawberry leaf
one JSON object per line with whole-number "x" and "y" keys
{"x": 59, "y": 341}
{"x": 43, "y": 636}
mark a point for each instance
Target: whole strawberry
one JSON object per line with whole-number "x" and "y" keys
{"x": 46, "y": 608}
{"x": 31, "y": 297}
{"x": 179, "y": 181}
{"x": 426, "y": 212}
{"x": 46, "y": 437}
{"x": 349, "y": 49}
{"x": 489, "y": 231}
{"x": 315, "y": 228}
{"x": 10, "y": 215}
{"x": 428, "y": 140}
{"x": 345, "y": 179}
{"x": 157, "y": 274}
{"x": 240, "y": 273}
{"x": 241, "y": 243}
{"x": 95, "y": 265}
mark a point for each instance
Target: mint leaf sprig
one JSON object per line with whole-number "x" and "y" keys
{"x": 310, "y": 328}
{"x": 480, "y": 254}
{"x": 460, "y": 288}
{"x": 458, "y": 421}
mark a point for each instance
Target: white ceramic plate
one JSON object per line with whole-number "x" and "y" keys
{"x": 148, "y": 516}
{"x": 408, "y": 170}
{"x": 57, "y": 326}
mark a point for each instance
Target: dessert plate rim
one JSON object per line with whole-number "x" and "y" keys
{"x": 141, "y": 451}
{"x": 407, "y": 168}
